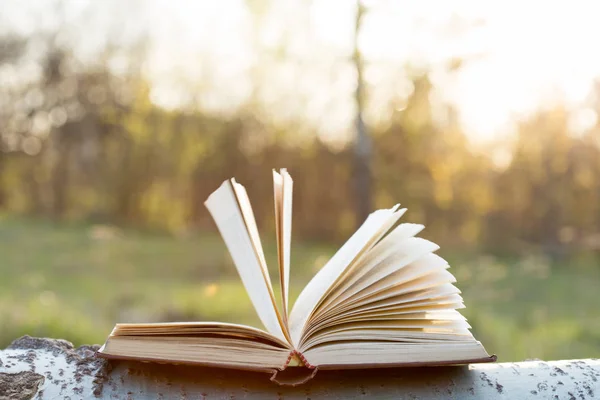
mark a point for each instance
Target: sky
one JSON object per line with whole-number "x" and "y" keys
{"x": 518, "y": 55}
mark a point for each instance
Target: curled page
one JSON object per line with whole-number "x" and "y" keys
{"x": 312, "y": 294}
{"x": 283, "y": 187}
{"x": 239, "y": 232}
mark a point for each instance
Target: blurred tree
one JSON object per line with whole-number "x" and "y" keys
{"x": 362, "y": 145}
{"x": 84, "y": 139}
{"x": 11, "y": 50}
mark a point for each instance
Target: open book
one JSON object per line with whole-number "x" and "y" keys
{"x": 384, "y": 299}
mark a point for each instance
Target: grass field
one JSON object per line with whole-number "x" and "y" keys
{"x": 76, "y": 281}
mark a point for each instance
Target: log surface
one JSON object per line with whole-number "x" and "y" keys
{"x": 34, "y": 368}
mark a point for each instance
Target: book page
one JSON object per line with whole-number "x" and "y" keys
{"x": 250, "y": 222}
{"x": 394, "y": 311}
{"x": 455, "y": 326}
{"x": 432, "y": 293}
{"x": 235, "y": 222}
{"x": 379, "y": 253}
{"x": 283, "y": 189}
{"x": 363, "y": 239}
{"x": 442, "y": 321}
{"x": 230, "y": 352}
{"x": 355, "y": 354}
{"x": 221, "y": 329}
{"x": 447, "y": 305}
{"x": 379, "y": 265}
{"x": 384, "y": 290}
{"x": 430, "y": 311}
{"x": 397, "y": 269}
{"x": 436, "y": 282}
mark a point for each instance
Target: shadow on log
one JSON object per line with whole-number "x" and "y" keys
{"x": 49, "y": 368}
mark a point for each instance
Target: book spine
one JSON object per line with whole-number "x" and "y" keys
{"x": 304, "y": 360}
{"x": 296, "y": 370}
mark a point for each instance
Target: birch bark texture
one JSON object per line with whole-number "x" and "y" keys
{"x": 37, "y": 368}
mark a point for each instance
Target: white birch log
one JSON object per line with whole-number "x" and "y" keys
{"x": 33, "y": 368}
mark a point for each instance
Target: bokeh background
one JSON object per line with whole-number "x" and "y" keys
{"x": 119, "y": 118}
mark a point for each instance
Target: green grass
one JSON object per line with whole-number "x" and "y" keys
{"x": 76, "y": 281}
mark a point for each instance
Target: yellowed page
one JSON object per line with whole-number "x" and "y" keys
{"x": 235, "y": 222}
{"x": 432, "y": 285}
{"x": 389, "y": 353}
{"x": 283, "y": 190}
{"x": 401, "y": 255}
{"x": 195, "y": 329}
{"x": 397, "y": 312}
{"x": 362, "y": 240}
{"x": 391, "y": 329}
{"x": 208, "y": 351}
{"x": 431, "y": 294}
{"x": 379, "y": 253}
{"x": 399, "y": 269}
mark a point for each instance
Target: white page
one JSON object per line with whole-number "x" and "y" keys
{"x": 357, "y": 268}
{"x": 430, "y": 283}
{"x": 408, "y": 337}
{"x": 394, "y": 287}
{"x": 221, "y": 352}
{"x": 455, "y": 326}
{"x": 288, "y": 188}
{"x": 396, "y": 270}
{"x": 433, "y": 294}
{"x": 383, "y": 249}
{"x": 250, "y": 222}
{"x": 398, "y": 257}
{"x": 283, "y": 189}
{"x": 394, "y": 353}
{"x": 362, "y": 239}
{"x": 451, "y": 302}
{"x": 249, "y": 261}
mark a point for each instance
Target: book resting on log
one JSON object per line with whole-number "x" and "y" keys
{"x": 385, "y": 299}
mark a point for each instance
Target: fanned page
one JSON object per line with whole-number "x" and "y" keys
{"x": 384, "y": 299}
{"x": 231, "y": 211}
{"x": 363, "y": 239}
{"x": 393, "y": 305}
{"x": 204, "y": 343}
{"x": 283, "y": 188}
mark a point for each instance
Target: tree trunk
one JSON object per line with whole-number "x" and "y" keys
{"x": 53, "y": 368}
{"x": 61, "y": 172}
{"x": 362, "y": 145}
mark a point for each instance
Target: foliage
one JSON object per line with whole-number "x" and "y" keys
{"x": 103, "y": 152}
{"x": 103, "y": 190}
{"x": 520, "y": 308}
